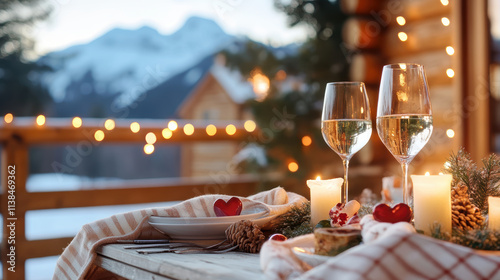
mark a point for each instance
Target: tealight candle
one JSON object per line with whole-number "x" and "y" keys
{"x": 324, "y": 195}
{"x": 432, "y": 202}
{"x": 494, "y": 213}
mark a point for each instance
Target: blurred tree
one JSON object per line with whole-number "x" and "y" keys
{"x": 20, "y": 90}
{"x": 286, "y": 117}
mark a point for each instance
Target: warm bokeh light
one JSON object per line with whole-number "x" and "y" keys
{"x": 293, "y": 166}
{"x": 211, "y": 130}
{"x": 401, "y": 20}
{"x": 318, "y": 177}
{"x": 150, "y": 138}
{"x": 450, "y": 50}
{"x": 280, "y": 75}
{"x": 135, "y": 127}
{"x": 109, "y": 124}
{"x": 172, "y": 125}
{"x": 230, "y": 129}
{"x": 306, "y": 141}
{"x": 402, "y": 66}
{"x": 402, "y": 36}
{"x": 166, "y": 133}
{"x": 188, "y": 129}
{"x": 149, "y": 149}
{"x": 447, "y": 164}
{"x": 445, "y": 21}
{"x": 427, "y": 173}
{"x": 441, "y": 173}
{"x": 450, "y": 133}
{"x": 8, "y": 118}
{"x": 77, "y": 122}
{"x": 260, "y": 83}
{"x": 250, "y": 126}
{"x": 99, "y": 135}
{"x": 445, "y": 2}
{"x": 450, "y": 73}
{"x": 40, "y": 120}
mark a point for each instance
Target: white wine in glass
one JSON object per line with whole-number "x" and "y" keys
{"x": 404, "y": 115}
{"x": 345, "y": 123}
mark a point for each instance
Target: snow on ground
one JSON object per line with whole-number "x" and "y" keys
{"x": 54, "y": 223}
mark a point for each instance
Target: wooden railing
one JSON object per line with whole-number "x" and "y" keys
{"x": 18, "y": 136}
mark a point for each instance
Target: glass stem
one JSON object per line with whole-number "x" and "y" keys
{"x": 345, "y": 191}
{"x": 406, "y": 189}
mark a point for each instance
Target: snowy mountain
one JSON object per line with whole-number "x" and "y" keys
{"x": 123, "y": 64}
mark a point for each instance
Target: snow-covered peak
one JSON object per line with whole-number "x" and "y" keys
{"x": 233, "y": 82}
{"x": 130, "y": 62}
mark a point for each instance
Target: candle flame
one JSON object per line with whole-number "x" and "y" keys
{"x": 441, "y": 173}
{"x": 427, "y": 173}
{"x": 318, "y": 177}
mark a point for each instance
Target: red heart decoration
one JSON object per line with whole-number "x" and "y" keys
{"x": 230, "y": 208}
{"x": 399, "y": 213}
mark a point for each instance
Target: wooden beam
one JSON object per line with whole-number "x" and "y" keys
{"x": 143, "y": 191}
{"x": 43, "y": 247}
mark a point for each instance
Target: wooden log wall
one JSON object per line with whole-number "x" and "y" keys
{"x": 411, "y": 31}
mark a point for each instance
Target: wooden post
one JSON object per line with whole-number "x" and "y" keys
{"x": 14, "y": 175}
{"x": 476, "y": 78}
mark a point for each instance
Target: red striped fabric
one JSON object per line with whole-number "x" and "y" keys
{"x": 400, "y": 255}
{"x": 77, "y": 259}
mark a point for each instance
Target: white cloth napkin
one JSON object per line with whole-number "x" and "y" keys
{"x": 77, "y": 259}
{"x": 396, "y": 255}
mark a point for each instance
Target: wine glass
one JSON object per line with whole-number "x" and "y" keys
{"x": 345, "y": 123}
{"x": 404, "y": 114}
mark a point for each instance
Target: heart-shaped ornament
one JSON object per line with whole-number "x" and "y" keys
{"x": 399, "y": 213}
{"x": 232, "y": 207}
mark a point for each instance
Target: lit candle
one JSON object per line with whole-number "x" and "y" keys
{"x": 324, "y": 195}
{"x": 432, "y": 202}
{"x": 494, "y": 213}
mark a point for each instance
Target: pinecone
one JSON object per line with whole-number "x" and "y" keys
{"x": 247, "y": 235}
{"x": 464, "y": 214}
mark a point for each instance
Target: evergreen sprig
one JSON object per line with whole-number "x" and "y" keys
{"x": 296, "y": 222}
{"x": 479, "y": 239}
{"x": 480, "y": 182}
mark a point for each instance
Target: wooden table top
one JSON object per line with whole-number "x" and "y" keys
{"x": 132, "y": 265}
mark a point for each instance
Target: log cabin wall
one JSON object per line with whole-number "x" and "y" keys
{"x": 426, "y": 32}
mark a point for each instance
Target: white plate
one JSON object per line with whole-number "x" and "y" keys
{"x": 200, "y": 230}
{"x": 245, "y": 215}
{"x": 306, "y": 254}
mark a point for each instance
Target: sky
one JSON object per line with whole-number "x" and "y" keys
{"x": 80, "y": 21}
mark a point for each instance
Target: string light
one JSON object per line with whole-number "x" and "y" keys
{"x": 230, "y": 129}
{"x": 99, "y": 135}
{"x": 188, "y": 129}
{"x": 149, "y": 149}
{"x": 150, "y": 138}
{"x": 306, "y": 141}
{"x": 166, "y": 133}
{"x": 40, "y": 120}
{"x": 450, "y": 133}
{"x": 450, "y": 73}
{"x": 8, "y": 118}
{"x": 250, "y": 126}
{"x": 135, "y": 127}
{"x": 77, "y": 122}
{"x": 401, "y": 20}
{"x": 450, "y": 50}
{"x": 211, "y": 130}
{"x": 109, "y": 124}
{"x": 402, "y": 36}
{"x": 445, "y": 21}
{"x": 172, "y": 125}
{"x": 293, "y": 166}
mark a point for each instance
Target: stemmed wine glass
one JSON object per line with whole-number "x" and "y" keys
{"x": 345, "y": 123}
{"x": 404, "y": 114}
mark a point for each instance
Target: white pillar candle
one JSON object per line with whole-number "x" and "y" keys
{"x": 324, "y": 195}
{"x": 432, "y": 202}
{"x": 494, "y": 213}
